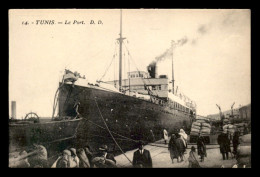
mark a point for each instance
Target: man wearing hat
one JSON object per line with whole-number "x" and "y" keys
{"x": 103, "y": 149}
{"x": 105, "y": 159}
{"x": 142, "y": 157}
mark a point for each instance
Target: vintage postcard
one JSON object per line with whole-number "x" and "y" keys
{"x": 129, "y": 88}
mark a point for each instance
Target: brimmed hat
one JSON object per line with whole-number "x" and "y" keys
{"x": 140, "y": 143}
{"x": 103, "y": 148}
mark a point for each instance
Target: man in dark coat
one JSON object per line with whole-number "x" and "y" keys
{"x": 224, "y": 144}
{"x": 174, "y": 153}
{"x": 201, "y": 148}
{"x": 235, "y": 142}
{"x": 142, "y": 157}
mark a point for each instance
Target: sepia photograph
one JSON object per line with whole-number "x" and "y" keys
{"x": 129, "y": 88}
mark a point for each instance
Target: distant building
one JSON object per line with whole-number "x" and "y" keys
{"x": 245, "y": 112}
{"x": 227, "y": 114}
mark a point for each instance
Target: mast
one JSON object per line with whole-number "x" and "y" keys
{"x": 172, "y": 67}
{"x": 120, "y": 39}
{"x": 232, "y": 113}
{"x": 129, "y": 73}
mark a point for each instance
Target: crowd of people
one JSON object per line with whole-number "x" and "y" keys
{"x": 178, "y": 144}
{"x": 84, "y": 158}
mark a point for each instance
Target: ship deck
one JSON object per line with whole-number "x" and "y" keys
{"x": 161, "y": 157}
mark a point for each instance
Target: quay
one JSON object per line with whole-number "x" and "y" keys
{"x": 161, "y": 157}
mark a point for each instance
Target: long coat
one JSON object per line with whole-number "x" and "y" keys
{"x": 180, "y": 146}
{"x": 235, "y": 142}
{"x": 142, "y": 159}
{"x": 224, "y": 143}
{"x": 201, "y": 147}
{"x": 174, "y": 153}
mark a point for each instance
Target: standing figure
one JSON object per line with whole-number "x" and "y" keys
{"x": 201, "y": 148}
{"x": 193, "y": 161}
{"x": 142, "y": 157}
{"x": 184, "y": 137}
{"x": 165, "y": 136}
{"x": 152, "y": 135}
{"x": 174, "y": 153}
{"x": 235, "y": 142}
{"x": 84, "y": 160}
{"x": 74, "y": 158}
{"x": 180, "y": 146}
{"x": 89, "y": 154}
{"x": 76, "y": 107}
{"x": 224, "y": 144}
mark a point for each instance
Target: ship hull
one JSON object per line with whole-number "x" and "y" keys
{"x": 132, "y": 118}
{"x": 51, "y": 134}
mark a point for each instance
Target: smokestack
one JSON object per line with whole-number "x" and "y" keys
{"x": 155, "y": 71}
{"x": 152, "y": 69}
{"x": 13, "y": 107}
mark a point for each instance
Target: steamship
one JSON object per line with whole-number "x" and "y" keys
{"x": 124, "y": 110}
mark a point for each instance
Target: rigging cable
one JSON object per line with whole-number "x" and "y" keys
{"x": 114, "y": 132}
{"x": 139, "y": 72}
{"x": 109, "y": 64}
{"x": 148, "y": 80}
{"x": 111, "y": 133}
{"x": 115, "y": 69}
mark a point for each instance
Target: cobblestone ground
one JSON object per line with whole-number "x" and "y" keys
{"x": 161, "y": 158}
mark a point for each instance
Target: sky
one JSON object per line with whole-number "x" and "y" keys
{"x": 212, "y": 67}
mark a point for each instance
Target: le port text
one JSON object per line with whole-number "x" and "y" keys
{"x": 64, "y": 22}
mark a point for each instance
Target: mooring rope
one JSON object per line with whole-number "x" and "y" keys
{"x": 111, "y": 133}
